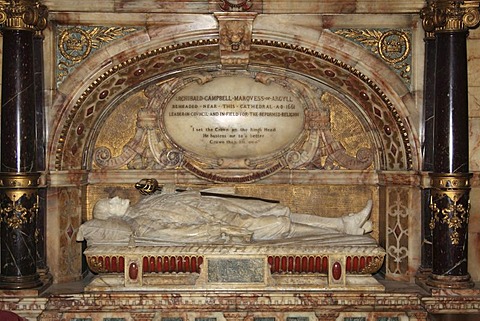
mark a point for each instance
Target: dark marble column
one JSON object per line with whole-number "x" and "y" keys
{"x": 19, "y": 175}
{"x": 450, "y": 179}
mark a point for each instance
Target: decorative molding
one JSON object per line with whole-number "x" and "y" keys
{"x": 19, "y": 199}
{"x": 454, "y": 189}
{"x": 398, "y": 212}
{"x": 392, "y": 46}
{"x": 14, "y": 214}
{"x": 318, "y": 65}
{"x": 28, "y": 15}
{"x": 19, "y": 204}
{"x": 77, "y": 43}
{"x": 82, "y": 117}
{"x": 236, "y": 5}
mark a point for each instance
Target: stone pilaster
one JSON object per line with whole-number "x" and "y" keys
{"x": 450, "y": 180}
{"x": 428, "y": 139}
{"x": 19, "y": 20}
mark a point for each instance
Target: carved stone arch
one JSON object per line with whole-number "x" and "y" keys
{"x": 94, "y": 70}
{"x": 84, "y": 108}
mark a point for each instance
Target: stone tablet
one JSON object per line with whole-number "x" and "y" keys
{"x": 234, "y": 117}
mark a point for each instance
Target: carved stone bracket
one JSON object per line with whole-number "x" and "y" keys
{"x": 29, "y": 15}
{"x": 444, "y": 15}
{"x": 239, "y": 5}
{"x": 235, "y": 31}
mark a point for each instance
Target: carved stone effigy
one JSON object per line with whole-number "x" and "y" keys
{"x": 160, "y": 243}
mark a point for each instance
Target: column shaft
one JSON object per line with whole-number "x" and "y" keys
{"x": 18, "y": 102}
{"x": 18, "y": 179}
{"x": 450, "y": 199}
{"x": 451, "y": 105}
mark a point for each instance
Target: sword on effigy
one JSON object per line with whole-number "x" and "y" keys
{"x": 148, "y": 186}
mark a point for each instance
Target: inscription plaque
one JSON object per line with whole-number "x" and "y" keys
{"x": 234, "y": 117}
{"x": 236, "y": 270}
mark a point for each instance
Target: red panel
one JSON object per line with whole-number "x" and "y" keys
{"x": 121, "y": 263}
{"x": 298, "y": 266}
{"x": 152, "y": 264}
{"x": 133, "y": 271}
{"x": 284, "y": 264}
{"x": 311, "y": 264}
{"x": 159, "y": 264}
{"x": 290, "y": 264}
{"x": 173, "y": 264}
{"x": 114, "y": 264}
{"x": 355, "y": 264}
{"x": 348, "y": 264}
{"x": 107, "y": 264}
{"x": 318, "y": 264}
{"x": 180, "y": 267}
{"x": 362, "y": 263}
{"x": 336, "y": 271}
{"x": 166, "y": 265}
{"x": 276, "y": 264}
{"x": 325, "y": 264}
{"x": 193, "y": 267}
{"x": 304, "y": 264}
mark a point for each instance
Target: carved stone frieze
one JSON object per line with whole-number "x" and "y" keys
{"x": 226, "y": 305}
{"x": 28, "y": 15}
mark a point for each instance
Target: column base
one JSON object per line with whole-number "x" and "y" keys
{"x": 20, "y": 282}
{"x": 450, "y": 282}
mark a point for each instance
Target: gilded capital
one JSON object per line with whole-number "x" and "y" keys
{"x": 28, "y": 15}
{"x": 444, "y": 15}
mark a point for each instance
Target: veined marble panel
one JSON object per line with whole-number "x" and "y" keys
{"x": 64, "y": 253}
{"x": 473, "y": 56}
{"x": 474, "y": 234}
{"x": 230, "y": 306}
{"x": 474, "y": 102}
{"x": 474, "y": 143}
{"x": 264, "y": 6}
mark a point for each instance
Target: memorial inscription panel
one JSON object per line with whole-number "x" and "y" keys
{"x": 234, "y": 117}
{"x": 237, "y": 127}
